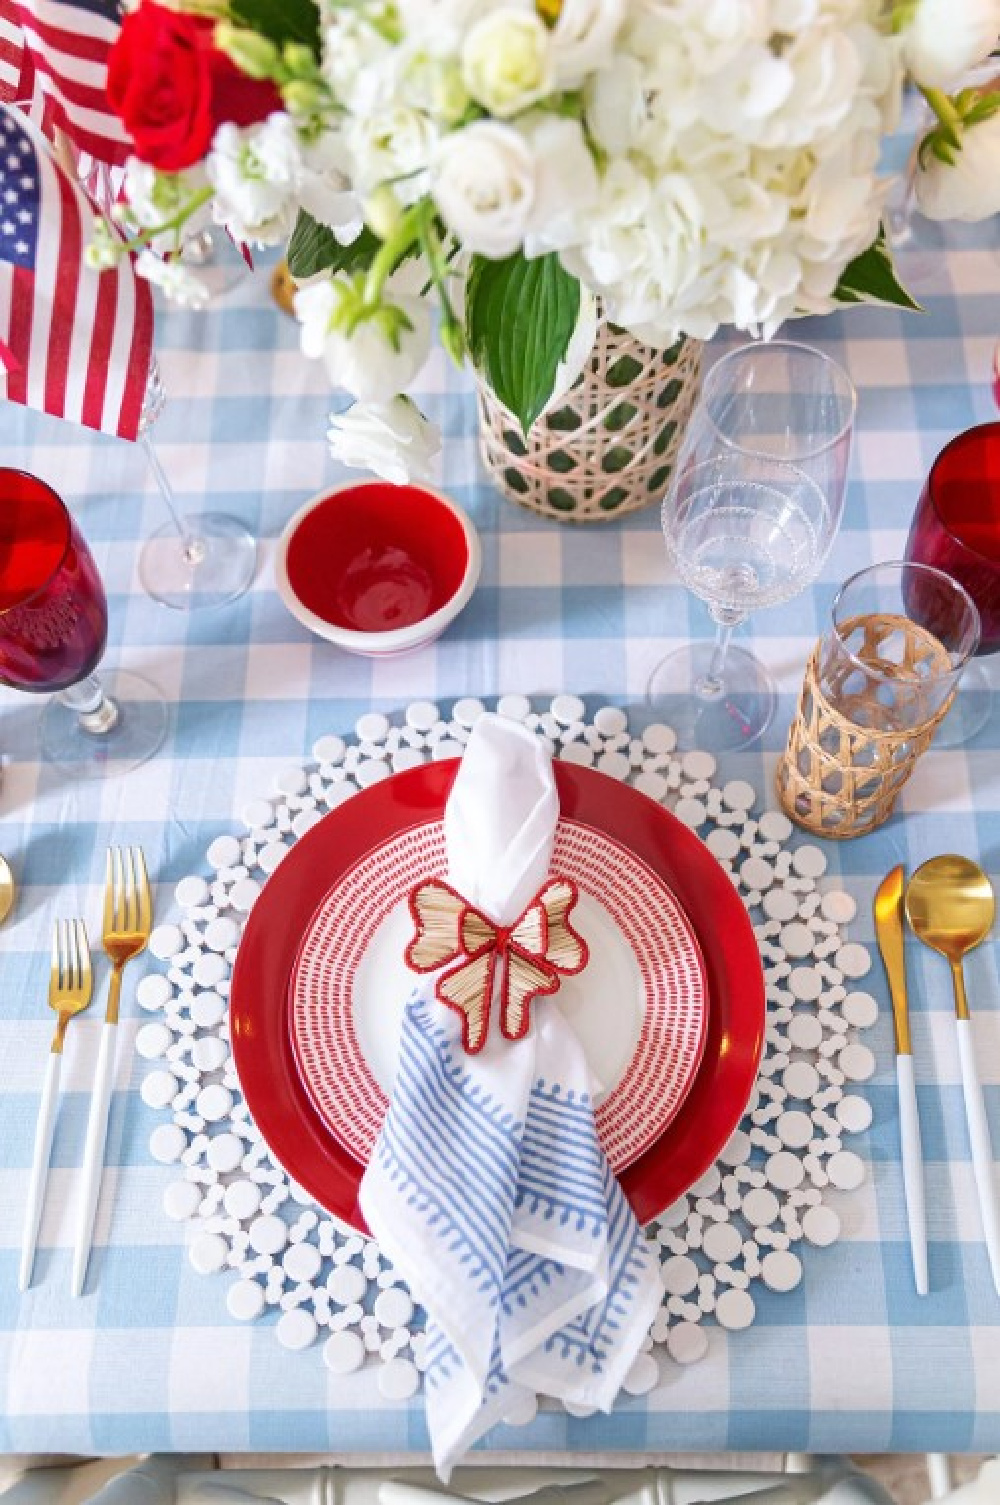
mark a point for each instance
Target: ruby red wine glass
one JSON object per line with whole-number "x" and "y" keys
{"x": 956, "y": 528}
{"x": 53, "y": 631}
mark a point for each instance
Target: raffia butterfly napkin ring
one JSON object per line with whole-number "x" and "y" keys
{"x": 534, "y": 953}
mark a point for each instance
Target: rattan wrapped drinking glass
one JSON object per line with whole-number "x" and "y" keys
{"x": 876, "y": 687}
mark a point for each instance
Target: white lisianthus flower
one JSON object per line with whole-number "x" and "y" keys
{"x": 255, "y": 174}
{"x": 483, "y": 182}
{"x": 392, "y": 438}
{"x": 324, "y": 189}
{"x": 968, "y": 188}
{"x": 506, "y": 62}
{"x": 177, "y": 281}
{"x": 948, "y": 37}
{"x": 583, "y": 39}
{"x": 368, "y": 362}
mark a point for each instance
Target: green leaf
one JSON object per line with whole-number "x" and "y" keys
{"x": 314, "y": 248}
{"x": 519, "y": 318}
{"x": 871, "y": 278}
{"x": 280, "y": 20}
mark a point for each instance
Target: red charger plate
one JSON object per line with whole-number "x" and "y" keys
{"x": 262, "y": 1049}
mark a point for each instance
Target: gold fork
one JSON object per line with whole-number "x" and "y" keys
{"x": 128, "y": 919}
{"x": 71, "y": 983}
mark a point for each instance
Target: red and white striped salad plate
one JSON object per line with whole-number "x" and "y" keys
{"x": 670, "y": 1009}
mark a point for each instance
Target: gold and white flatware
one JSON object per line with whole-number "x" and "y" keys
{"x": 71, "y": 983}
{"x": 889, "y": 935}
{"x": 951, "y": 908}
{"x": 128, "y": 919}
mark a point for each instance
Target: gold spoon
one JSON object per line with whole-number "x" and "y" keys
{"x": 7, "y": 889}
{"x": 951, "y": 908}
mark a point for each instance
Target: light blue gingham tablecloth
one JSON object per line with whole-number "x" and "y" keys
{"x": 149, "y": 1359}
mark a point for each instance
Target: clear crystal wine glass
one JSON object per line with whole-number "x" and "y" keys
{"x": 193, "y": 561}
{"x": 753, "y": 508}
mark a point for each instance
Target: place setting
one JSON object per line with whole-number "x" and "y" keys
{"x": 499, "y": 591}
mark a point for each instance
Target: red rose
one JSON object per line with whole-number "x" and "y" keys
{"x": 172, "y": 86}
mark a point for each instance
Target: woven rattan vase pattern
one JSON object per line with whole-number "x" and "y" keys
{"x": 840, "y": 774}
{"x": 610, "y": 444}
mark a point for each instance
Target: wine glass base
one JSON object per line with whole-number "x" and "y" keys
{"x": 135, "y": 736}
{"x": 734, "y": 719}
{"x": 970, "y": 711}
{"x": 213, "y": 565}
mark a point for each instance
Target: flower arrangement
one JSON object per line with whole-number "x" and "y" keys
{"x": 679, "y": 164}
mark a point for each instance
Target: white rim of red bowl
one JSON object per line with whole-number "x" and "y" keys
{"x": 412, "y": 636}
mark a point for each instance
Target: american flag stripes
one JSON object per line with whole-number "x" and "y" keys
{"x": 64, "y": 45}
{"x": 78, "y": 343}
{"x": 15, "y": 66}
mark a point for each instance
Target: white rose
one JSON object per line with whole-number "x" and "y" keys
{"x": 391, "y": 438}
{"x": 439, "y": 26}
{"x": 583, "y": 38}
{"x": 394, "y": 143}
{"x": 505, "y": 61}
{"x": 566, "y": 186}
{"x": 483, "y": 182}
{"x": 255, "y": 174}
{"x": 947, "y": 37}
{"x": 367, "y": 362}
{"x": 969, "y": 188}
{"x": 434, "y": 85}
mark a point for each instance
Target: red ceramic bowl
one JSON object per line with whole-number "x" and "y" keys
{"x": 376, "y": 568}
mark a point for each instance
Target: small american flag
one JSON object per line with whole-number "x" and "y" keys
{"x": 58, "y": 50}
{"x": 76, "y": 343}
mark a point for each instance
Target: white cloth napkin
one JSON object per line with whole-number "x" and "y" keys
{"x": 487, "y": 1187}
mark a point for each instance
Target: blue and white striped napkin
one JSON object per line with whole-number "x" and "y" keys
{"x": 488, "y": 1188}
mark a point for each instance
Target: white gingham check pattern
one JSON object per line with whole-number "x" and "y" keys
{"x": 850, "y": 1361}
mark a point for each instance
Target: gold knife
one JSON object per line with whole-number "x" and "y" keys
{"x": 889, "y": 934}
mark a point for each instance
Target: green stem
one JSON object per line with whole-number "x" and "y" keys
{"x": 390, "y": 252}
{"x": 943, "y": 107}
{"x": 430, "y": 244}
{"x": 147, "y": 236}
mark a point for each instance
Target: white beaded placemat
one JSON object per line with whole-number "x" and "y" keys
{"x": 739, "y": 1225}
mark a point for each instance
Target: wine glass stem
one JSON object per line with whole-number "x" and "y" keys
{"x": 192, "y": 546}
{"x": 711, "y": 685}
{"x": 97, "y": 712}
